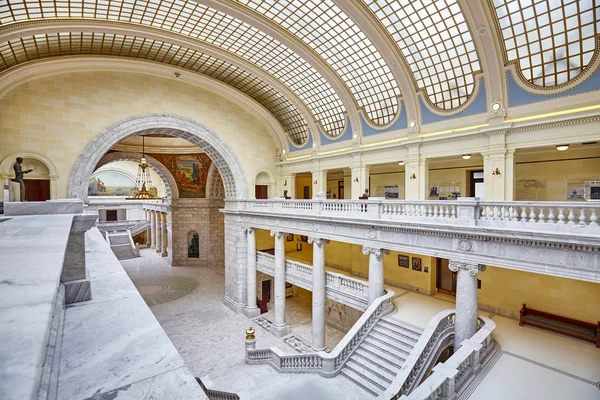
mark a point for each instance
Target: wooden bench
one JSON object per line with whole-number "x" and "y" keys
{"x": 556, "y": 323}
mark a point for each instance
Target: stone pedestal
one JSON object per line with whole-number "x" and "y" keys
{"x": 251, "y": 310}
{"x": 466, "y": 300}
{"x": 375, "y": 271}
{"x": 318, "y": 294}
{"x": 279, "y": 325}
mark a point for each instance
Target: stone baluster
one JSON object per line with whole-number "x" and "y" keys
{"x": 582, "y": 217}
{"x": 318, "y": 293}
{"x": 571, "y": 216}
{"x": 593, "y": 218}
{"x": 561, "y": 215}
{"x": 281, "y": 328}
{"x": 251, "y": 308}
{"x": 466, "y": 300}
{"x": 375, "y": 271}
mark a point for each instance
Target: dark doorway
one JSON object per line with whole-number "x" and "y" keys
{"x": 306, "y": 192}
{"x": 261, "y": 191}
{"x": 111, "y": 215}
{"x": 446, "y": 279}
{"x": 266, "y": 290}
{"x": 37, "y": 189}
{"x": 340, "y": 189}
{"x": 476, "y": 184}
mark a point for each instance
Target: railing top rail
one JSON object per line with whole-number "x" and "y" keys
{"x": 566, "y": 204}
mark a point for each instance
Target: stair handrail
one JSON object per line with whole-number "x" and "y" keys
{"x": 448, "y": 378}
{"x": 216, "y": 394}
{"x": 438, "y": 330}
{"x": 323, "y": 363}
{"x": 135, "y": 249}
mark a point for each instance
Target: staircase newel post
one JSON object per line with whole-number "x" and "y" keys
{"x": 328, "y": 366}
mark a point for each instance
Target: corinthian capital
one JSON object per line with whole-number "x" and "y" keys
{"x": 454, "y": 266}
{"x": 318, "y": 241}
{"x": 378, "y": 252}
{"x": 276, "y": 234}
{"x": 250, "y": 230}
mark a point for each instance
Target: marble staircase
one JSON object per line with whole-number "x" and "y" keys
{"x": 120, "y": 244}
{"x": 381, "y": 355}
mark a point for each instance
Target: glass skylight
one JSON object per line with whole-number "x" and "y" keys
{"x": 189, "y": 18}
{"x": 437, "y": 44}
{"x": 552, "y": 41}
{"x": 89, "y": 43}
{"x": 323, "y": 26}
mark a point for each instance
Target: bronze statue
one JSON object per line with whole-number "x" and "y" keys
{"x": 19, "y": 176}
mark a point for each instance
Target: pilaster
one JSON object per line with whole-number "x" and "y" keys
{"x": 251, "y": 309}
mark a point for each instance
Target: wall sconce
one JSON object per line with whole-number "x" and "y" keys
{"x": 496, "y": 172}
{"x": 315, "y": 183}
{"x": 413, "y": 176}
{"x": 285, "y": 182}
{"x": 355, "y": 180}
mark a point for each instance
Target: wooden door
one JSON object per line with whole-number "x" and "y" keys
{"x": 306, "y": 193}
{"x": 340, "y": 189}
{"x": 261, "y": 191}
{"x": 476, "y": 184}
{"x": 111, "y": 215}
{"x": 446, "y": 279}
{"x": 266, "y": 290}
{"x": 37, "y": 189}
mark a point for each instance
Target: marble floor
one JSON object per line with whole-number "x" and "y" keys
{"x": 526, "y": 369}
{"x": 210, "y": 338}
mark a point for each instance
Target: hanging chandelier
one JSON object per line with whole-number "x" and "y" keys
{"x": 143, "y": 181}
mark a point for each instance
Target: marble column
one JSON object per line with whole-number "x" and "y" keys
{"x": 281, "y": 328}
{"x": 163, "y": 231}
{"x": 158, "y": 232}
{"x": 152, "y": 229}
{"x": 251, "y": 308}
{"x": 466, "y": 300}
{"x": 375, "y": 271}
{"x": 318, "y": 293}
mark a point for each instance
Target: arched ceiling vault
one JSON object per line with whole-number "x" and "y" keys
{"x": 201, "y": 57}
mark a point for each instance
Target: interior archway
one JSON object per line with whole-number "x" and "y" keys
{"x": 226, "y": 162}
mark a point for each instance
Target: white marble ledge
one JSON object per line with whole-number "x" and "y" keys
{"x": 113, "y": 346}
{"x": 32, "y": 251}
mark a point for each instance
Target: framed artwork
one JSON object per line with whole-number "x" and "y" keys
{"x": 403, "y": 261}
{"x": 303, "y": 238}
{"x": 289, "y": 237}
{"x": 416, "y": 264}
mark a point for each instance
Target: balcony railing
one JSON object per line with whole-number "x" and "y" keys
{"x": 556, "y": 216}
{"x": 341, "y": 288}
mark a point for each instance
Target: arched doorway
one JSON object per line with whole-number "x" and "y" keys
{"x": 40, "y": 184}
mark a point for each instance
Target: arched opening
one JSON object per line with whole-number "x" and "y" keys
{"x": 264, "y": 183}
{"x": 193, "y": 245}
{"x": 40, "y": 183}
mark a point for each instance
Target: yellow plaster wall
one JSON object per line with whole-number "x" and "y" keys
{"x": 302, "y": 181}
{"x": 509, "y": 289}
{"x": 264, "y": 240}
{"x": 377, "y": 182}
{"x": 57, "y": 116}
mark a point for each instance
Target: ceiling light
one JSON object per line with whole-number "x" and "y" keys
{"x": 401, "y": 163}
{"x": 562, "y": 147}
{"x": 412, "y": 124}
{"x": 495, "y": 106}
{"x": 283, "y": 151}
{"x": 314, "y": 145}
{"x": 466, "y": 156}
{"x": 355, "y": 136}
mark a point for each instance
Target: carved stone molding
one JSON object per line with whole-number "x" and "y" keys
{"x": 318, "y": 241}
{"x": 464, "y": 245}
{"x": 454, "y": 266}
{"x": 374, "y": 250}
{"x": 249, "y": 230}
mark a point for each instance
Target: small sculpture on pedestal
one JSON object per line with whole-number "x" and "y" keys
{"x": 19, "y": 176}
{"x": 285, "y": 196}
{"x": 365, "y": 195}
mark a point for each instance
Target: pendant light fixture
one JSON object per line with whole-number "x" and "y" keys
{"x": 143, "y": 181}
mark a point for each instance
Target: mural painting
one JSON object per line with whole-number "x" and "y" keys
{"x": 189, "y": 170}
{"x": 111, "y": 183}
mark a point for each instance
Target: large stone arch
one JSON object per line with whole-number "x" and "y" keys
{"x": 165, "y": 175}
{"x": 230, "y": 169}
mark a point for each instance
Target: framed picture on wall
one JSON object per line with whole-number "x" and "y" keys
{"x": 416, "y": 264}
{"x": 403, "y": 261}
{"x": 289, "y": 237}
{"x": 303, "y": 238}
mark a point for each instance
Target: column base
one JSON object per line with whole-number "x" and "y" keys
{"x": 164, "y": 254}
{"x": 318, "y": 349}
{"x": 158, "y": 251}
{"x": 233, "y": 306}
{"x": 78, "y": 290}
{"x": 251, "y": 312}
{"x": 281, "y": 331}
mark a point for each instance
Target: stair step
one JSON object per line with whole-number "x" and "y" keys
{"x": 394, "y": 335}
{"x": 359, "y": 379}
{"x": 368, "y": 374}
{"x": 380, "y": 350}
{"x": 373, "y": 365}
{"x": 387, "y": 343}
{"x": 390, "y": 363}
{"x": 401, "y": 328}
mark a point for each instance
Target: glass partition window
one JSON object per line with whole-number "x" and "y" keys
{"x": 189, "y": 18}
{"x": 89, "y": 43}
{"x": 324, "y": 27}
{"x": 552, "y": 41}
{"x": 436, "y": 42}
